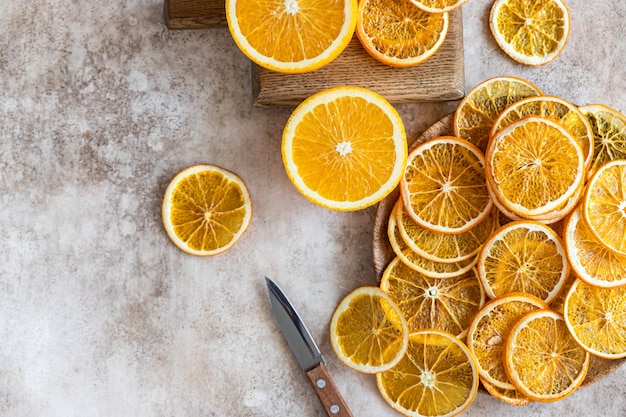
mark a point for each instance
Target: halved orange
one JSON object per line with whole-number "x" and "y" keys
{"x": 609, "y": 133}
{"x": 523, "y": 256}
{"x": 443, "y": 187}
{"x": 532, "y": 32}
{"x": 206, "y": 209}
{"x": 447, "y": 304}
{"x": 596, "y": 318}
{"x": 291, "y": 36}
{"x": 542, "y": 359}
{"x": 477, "y": 112}
{"x": 534, "y": 166}
{"x": 344, "y": 148}
{"x": 367, "y": 331}
{"x": 604, "y": 205}
{"x": 398, "y": 33}
{"x": 436, "y": 377}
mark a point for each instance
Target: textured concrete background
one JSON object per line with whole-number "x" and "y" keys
{"x": 100, "y": 315}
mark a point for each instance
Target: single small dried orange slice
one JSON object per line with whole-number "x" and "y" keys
{"x": 439, "y": 6}
{"x": 609, "y": 134}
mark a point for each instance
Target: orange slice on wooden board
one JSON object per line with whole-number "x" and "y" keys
{"x": 477, "y": 112}
{"x": 206, "y": 209}
{"x": 367, "y": 331}
{"x": 344, "y": 148}
{"x": 398, "y": 33}
{"x": 436, "y": 377}
{"x": 542, "y": 359}
{"x": 532, "y": 32}
{"x": 609, "y": 133}
{"x": 444, "y": 187}
{"x": 291, "y": 36}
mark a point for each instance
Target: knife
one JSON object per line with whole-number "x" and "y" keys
{"x": 306, "y": 352}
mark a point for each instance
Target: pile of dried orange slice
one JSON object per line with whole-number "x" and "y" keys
{"x": 510, "y": 257}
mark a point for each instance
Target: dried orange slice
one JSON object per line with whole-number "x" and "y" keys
{"x": 447, "y": 304}
{"x": 534, "y": 166}
{"x": 439, "y": 6}
{"x": 436, "y": 377}
{"x": 442, "y": 247}
{"x": 443, "y": 187}
{"x": 477, "y": 112}
{"x": 542, "y": 359}
{"x": 592, "y": 261}
{"x": 489, "y": 330}
{"x": 206, "y": 209}
{"x": 609, "y": 133}
{"x": 345, "y": 148}
{"x": 555, "y": 109}
{"x": 509, "y": 396}
{"x": 532, "y": 32}
{"x": 428, "y": 267}
{"x": 291, "y": 36}
{"x": 367, "y": 331}
{"x": 596, "y": 318}
{"x": 398, "y": 33}
{"x": 604, "y": 205}
{"x": 523, "y": 256}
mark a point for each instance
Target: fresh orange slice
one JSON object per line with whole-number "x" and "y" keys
{"x": 596, "y": 318}
{"x": 523, "y": 256}
{"x": 398, "y": 33}
{"x": 206, "y": 209}
{"x": 555, "y": 109}
{"x": 542, "y": 359}
{"x": 345, "y": 148}
{"x": 367, "y": 331}
{"x": 436, "y": 377}
{"x": 604, "y": 205}
{"x": 428, "y": 267}
{"x": 609, "y": 133}
{"x": 592, "y": 261}
{"x": 447, "y": 304}
{"x": 534, "y": 166}
{"x": 444, "y": 188}
{"x": 477, "y": 112}
{"x": 291, "y": 36}
{"x": 532, "y": 32}
{"x": 489, "y": 330}
{"x": 439, "y": 6}
{"x": 444, "y": 247}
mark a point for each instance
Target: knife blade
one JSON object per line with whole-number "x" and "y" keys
{"x": 306, "y": 352}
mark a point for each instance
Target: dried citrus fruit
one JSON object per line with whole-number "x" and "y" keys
{"x": 609, "y": 133}
{"x": 477, "y": 112}
{"x": 442, "y": 247}
{"x": 509, "y": 396}
{"x": 398, "y": 33}
{"x": 555, "y": 109}
{"x": 542, "y": 359}
{"x": 592, "y": 261}
{"x": 436, "y": 377}
{"x": 447, "y": 304}
{"x": 291, "y": 36}
{"x": 523, "y": 256}
{"x": 345, "y": 148}
{"x": 443, "y": 187}
{"x": 206, "y": 209}
{"x": 428, "y": 267}
{"x": 534, "y": 166}
{"x": 532, "y": 32}
{"x": 604, "y": 205}
{"x": 596, "y": 318}
{"x": 367, "y": 331}
{"x": 439, "y": 6}
{"x": 489, "y": 330}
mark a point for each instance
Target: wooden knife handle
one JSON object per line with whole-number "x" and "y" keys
{"x": 328, "y": 393}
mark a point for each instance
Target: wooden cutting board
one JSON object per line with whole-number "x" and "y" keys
{"x": 440, "y": 78}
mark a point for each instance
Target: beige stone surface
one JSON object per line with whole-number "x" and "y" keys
{"x": 100, "y": 315}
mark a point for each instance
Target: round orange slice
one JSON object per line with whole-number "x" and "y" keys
{"x": 439, "y": 6}
{"x": 609, "y": 134}
{"x": 398, "y": 33}
{"x": 444, "y": 188}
